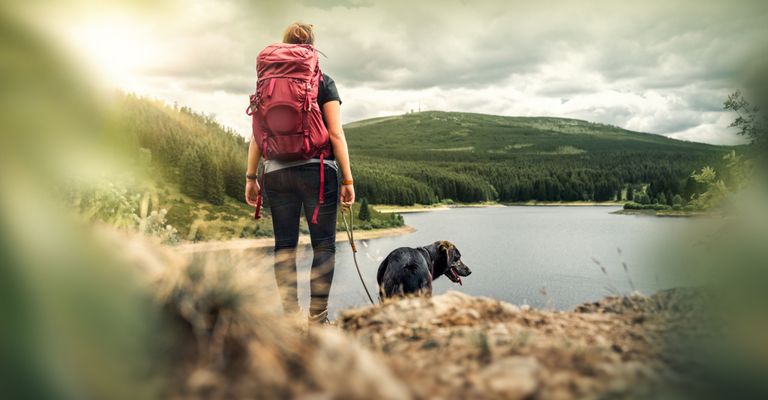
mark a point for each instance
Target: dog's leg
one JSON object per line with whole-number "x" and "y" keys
{"x": 381, "y": 294}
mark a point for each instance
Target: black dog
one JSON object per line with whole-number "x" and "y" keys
{"x": 411, "y": 271}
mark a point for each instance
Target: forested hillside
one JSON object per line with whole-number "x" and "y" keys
{"x": 433, "y": 156}
{"x": 195, "y": 169}
{"x": 190, "y": 149}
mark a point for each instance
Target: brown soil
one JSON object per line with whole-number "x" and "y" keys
{"x": 456, "y": 346}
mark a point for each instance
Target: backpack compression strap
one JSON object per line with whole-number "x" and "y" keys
{"x": 321, "y": 196}
{"x": 260, "y": 196}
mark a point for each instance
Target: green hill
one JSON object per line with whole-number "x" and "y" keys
{"x": 195, "y": 169}
{"x": 481, "y": 136}
{"x": 433, "y": 156}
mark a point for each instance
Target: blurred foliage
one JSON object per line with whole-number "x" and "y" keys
{"x": 737, "y": 174}
{"x": 750, "y": 121}
{"x": 729, "y": 256}
{"x": 74, "y": 320}
{"x": 121, "y": 206}
{"x": 737, "y": 169}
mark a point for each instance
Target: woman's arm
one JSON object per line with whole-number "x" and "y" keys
{"x": 252, "y": 185}
{"x": 332, "y": 114}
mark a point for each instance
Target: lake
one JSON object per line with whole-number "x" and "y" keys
{"x": 543, "y": 256}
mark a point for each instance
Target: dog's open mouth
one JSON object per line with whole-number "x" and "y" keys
{"x": 453, "y": 274}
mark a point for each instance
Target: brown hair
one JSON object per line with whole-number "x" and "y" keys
{"x": 299, "y": 33}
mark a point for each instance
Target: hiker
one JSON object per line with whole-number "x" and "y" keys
{"x": 314, "y": 178}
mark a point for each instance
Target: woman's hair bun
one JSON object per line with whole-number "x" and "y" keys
{"x": 299, "y": 33}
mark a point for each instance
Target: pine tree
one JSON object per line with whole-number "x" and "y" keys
{"x": 213, "y": 181}
{"x": 190, "y": 174}
{"x": 365, "y": 213}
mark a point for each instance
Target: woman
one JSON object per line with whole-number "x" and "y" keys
{"x": 291, "y": 186}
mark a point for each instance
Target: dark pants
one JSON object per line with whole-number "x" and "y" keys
{"x": 289, "y": 190}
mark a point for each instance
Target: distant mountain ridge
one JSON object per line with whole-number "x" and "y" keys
{"x": 431, "y": 130}
{"x": 433, "y": 156}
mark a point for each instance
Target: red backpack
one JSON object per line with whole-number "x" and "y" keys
{"x": 287, "y": 122}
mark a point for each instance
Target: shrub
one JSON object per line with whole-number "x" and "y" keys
{"x": 642, "y": 198}
{"x": 637, "y": 206}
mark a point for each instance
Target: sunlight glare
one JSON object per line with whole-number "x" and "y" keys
{"x": 119, "y": 49}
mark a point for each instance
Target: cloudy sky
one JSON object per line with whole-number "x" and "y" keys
{"x": 660, "y": 67}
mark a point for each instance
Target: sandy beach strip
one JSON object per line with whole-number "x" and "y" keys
{"x": 266, "y": 243}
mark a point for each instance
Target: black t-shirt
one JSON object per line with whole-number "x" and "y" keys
{"x": 325, "y": 93}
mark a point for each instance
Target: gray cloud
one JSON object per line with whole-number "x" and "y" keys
{"x": 564, "y": 89}
{"x": 330, "y": 4}
{"x": 662, "y": 67}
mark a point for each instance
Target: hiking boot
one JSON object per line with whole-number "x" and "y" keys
{"x": 319, "y": 319}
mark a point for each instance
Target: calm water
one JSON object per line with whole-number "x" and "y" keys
{"x": 547, "y": 257}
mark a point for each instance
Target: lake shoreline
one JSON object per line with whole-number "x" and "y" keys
{"x": 662, "y": 213}
{"x": 266, "y": 243}
{"x": 566, "y": 204}
{"x": 387, "y": 209}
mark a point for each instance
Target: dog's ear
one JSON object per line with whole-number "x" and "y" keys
{"x": 447, "y": 248}
{"x": 444, "y": 245}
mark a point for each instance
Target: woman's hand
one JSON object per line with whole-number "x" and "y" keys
{"x": 252, "y": 192}
{"x": 347, "y": 195}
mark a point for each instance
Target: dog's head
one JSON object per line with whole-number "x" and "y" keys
{"x": 449, "y": 262}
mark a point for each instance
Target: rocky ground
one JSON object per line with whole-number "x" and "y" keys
{"x": 456, "y": 346}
